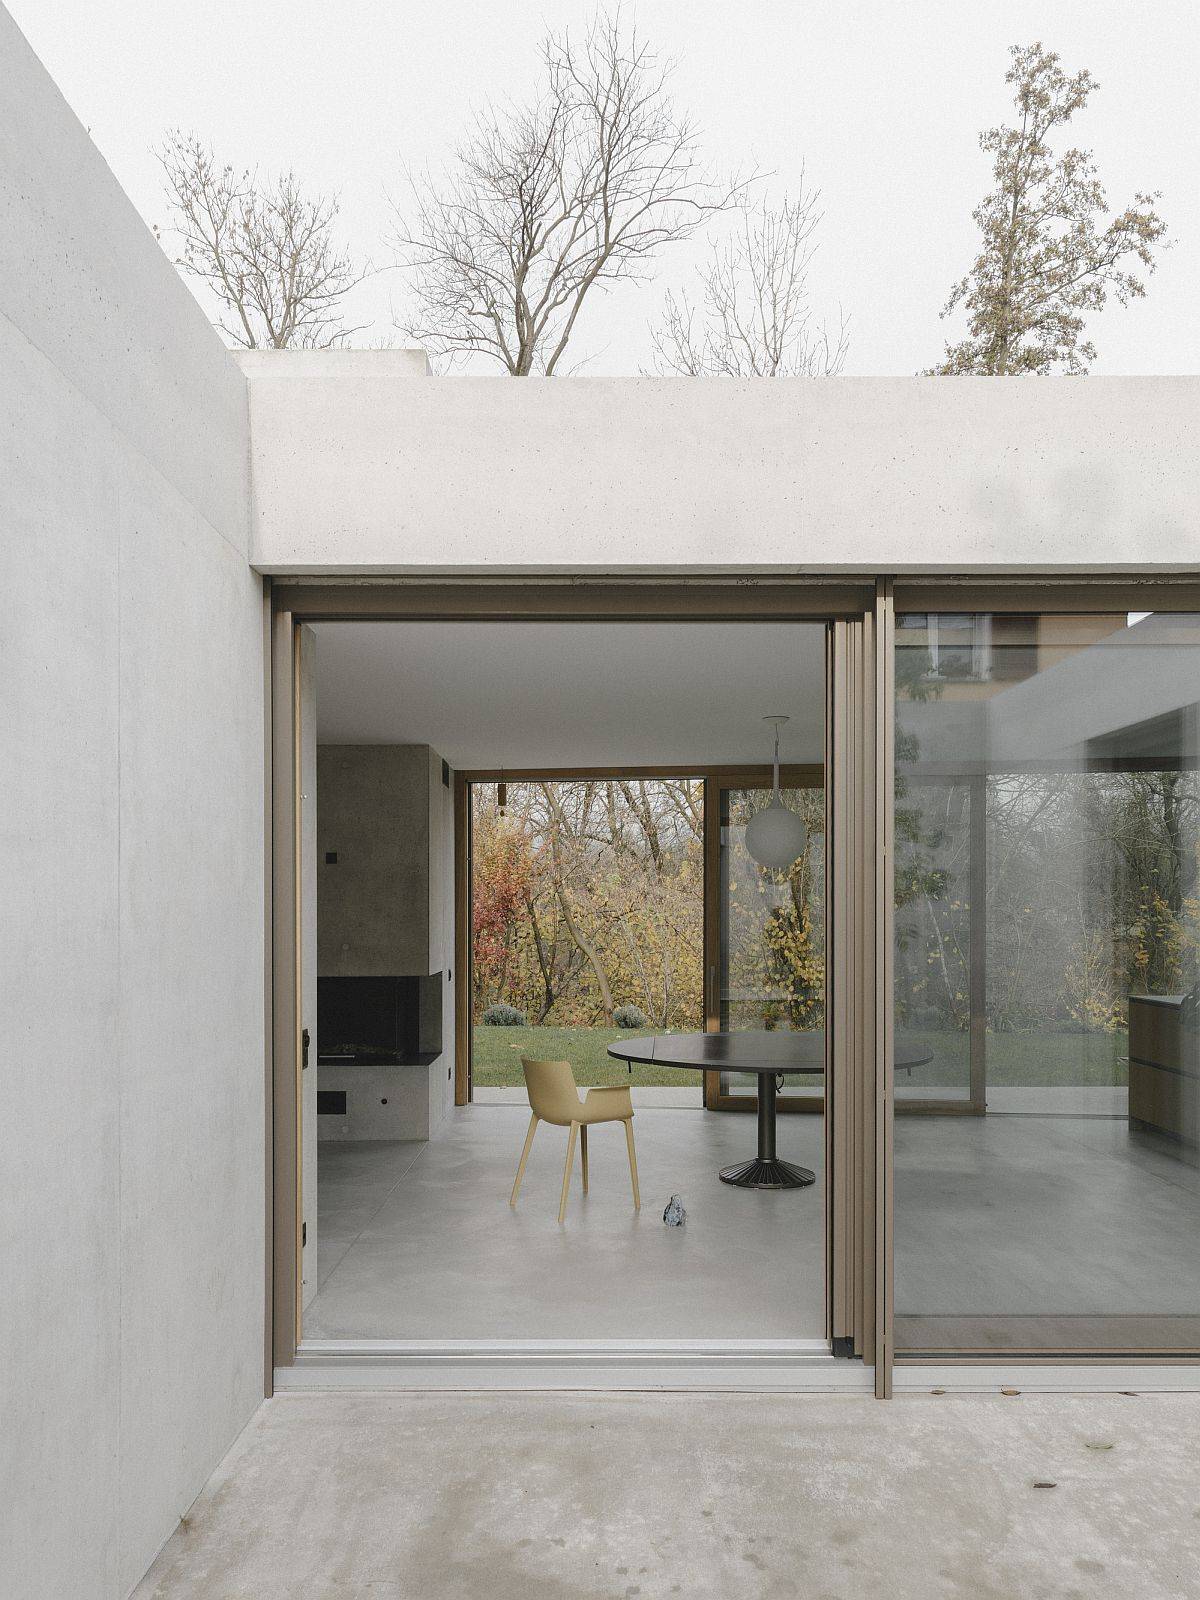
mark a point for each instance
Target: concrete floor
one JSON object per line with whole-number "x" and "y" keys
{"x": 1060, "y": 1221}
{"x": 419, "y": 1241}
{"x": 737, "y": 1497}
{"x": 1011, "y": 1232}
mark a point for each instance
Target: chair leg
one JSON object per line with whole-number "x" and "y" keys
{"x": 583, "y": 1152}
{"x": 562, "y": 1204}
{"x": 533, "y": 1122}
{"x": 637, "y": 1198}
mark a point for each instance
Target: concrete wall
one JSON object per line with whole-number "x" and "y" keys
{"x": 356, "y": 472}
{"x": 131, "y": 826}
{"x": 386, "y": 907}
{"x": 381, "y": 1102}
{"x": 377, "y": 913}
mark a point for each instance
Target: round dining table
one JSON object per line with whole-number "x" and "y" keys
{"x": 769, "y": 1055}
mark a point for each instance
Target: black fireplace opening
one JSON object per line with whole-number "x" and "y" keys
{"x": 380, "y": 1021}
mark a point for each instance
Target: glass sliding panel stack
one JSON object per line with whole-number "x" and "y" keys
{"x": 1047, "y": 969}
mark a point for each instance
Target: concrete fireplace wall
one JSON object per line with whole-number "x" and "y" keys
{"x": 378, "y": 813}
{"x": 131, "y": 829}
{"x": 386, "y": 908}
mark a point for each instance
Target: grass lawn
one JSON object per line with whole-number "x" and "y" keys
{"x": 1025, "y": 1060}
{"x": 1014, "y": 1060}
{"x": 498, "y": 1052}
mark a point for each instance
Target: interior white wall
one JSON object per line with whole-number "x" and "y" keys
{"x": 131, "y": 821}
{"x": 355, "y": 472}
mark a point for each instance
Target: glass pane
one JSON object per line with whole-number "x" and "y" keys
{"x": 1047, "y": 983}
{"x": 588, "y": 928}
{"x": 933, "y": 937}
{"x": 772, "y": 972}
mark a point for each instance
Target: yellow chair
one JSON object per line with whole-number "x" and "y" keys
{"x": 554, "y": 1098}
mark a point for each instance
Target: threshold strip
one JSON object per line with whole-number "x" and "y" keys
{"x": 619, "y": 1364}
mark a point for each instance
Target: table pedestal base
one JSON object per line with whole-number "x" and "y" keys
{"x": 773, "y": 1174}
{"x": 767, "y": 1171}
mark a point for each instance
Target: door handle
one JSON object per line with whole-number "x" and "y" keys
{"x": 303, "y": 1049}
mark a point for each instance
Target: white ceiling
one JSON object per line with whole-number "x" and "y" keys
{"x": 581, "y": 694}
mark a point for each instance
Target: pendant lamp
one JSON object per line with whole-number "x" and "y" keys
{"x": 775, "y": 835}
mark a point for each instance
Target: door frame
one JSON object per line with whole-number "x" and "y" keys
{"x": 853, "y": 1081}
{"x": 858, "y": 1038}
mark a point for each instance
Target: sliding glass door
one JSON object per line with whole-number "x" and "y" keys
{"x": 1047, "y": 983}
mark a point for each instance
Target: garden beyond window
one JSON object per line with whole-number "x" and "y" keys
{"x": 587, "y": 922}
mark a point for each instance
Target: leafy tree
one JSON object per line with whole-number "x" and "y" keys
{"x": 589, "y": 897}
{"x": 501, "y": 890}
{"x": 606, "y": 907}
{"x": 1047, "y": 257}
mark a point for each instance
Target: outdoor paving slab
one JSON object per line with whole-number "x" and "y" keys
{"x": 743, "y": 1497}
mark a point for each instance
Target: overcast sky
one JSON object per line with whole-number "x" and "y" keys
{"x": 881, "y": 101}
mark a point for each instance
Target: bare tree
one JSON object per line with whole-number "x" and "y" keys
{"x": 265, "y": 249}
{"x": 1046, "y": 257}
{"x": 544, "y": 203}
{"x": 754, "y": 318}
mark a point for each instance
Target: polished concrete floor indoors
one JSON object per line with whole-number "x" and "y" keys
{"x": 737, "y": 1496}
{"x": 1011, "y": 1232}
{"x": 417, "y": 1240}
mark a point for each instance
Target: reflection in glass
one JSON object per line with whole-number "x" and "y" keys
{"x": 1047, "y": 958}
